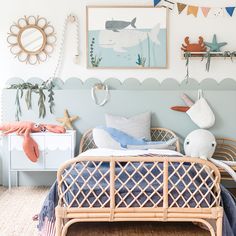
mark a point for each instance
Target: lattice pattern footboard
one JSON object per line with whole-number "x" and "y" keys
{"x": 138, "y": 189}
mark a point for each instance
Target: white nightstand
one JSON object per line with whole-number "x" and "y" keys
{"x": 54, "y": 150}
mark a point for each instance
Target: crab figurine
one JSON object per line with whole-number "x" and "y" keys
{"x": 194, "y": 47}
{"x": 24, "y": 128}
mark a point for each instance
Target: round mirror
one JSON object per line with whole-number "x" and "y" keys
{"x": 31, "y": 39}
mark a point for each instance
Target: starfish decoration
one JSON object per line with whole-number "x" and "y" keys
{"x": 214, "y": 45}
{"x": 67, "y": 120}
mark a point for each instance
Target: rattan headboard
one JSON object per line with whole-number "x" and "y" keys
{"x": 157, "y": 134}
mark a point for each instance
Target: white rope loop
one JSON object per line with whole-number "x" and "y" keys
{"x": 100, "y": 87}
{"x": 69, "y": 19}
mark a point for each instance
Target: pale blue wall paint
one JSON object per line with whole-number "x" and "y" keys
{"x": 128, "y": 99}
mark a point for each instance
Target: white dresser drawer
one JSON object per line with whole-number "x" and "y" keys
{"x": 58, "y": 150}
{"x": 18, "y": 159}
{"x": 54, "y": 150}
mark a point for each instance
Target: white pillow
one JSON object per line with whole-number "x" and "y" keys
{"x": 102, "y": 139}
{"x": 137, "y": 126}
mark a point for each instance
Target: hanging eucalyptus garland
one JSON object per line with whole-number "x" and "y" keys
{"x": 229, "y": 54}
{"x": 187, "y": 56}
{"x": 232, "y": 55}
{"x": 34, "y": 88}
{"x": 207, "y": 55}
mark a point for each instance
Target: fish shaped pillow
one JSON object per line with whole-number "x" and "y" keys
{"x": 107, "y": 137}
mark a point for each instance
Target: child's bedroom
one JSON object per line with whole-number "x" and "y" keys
{"x": 117, "y": 118}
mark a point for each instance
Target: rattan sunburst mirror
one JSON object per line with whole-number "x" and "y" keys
{"x": 31, "y": 39}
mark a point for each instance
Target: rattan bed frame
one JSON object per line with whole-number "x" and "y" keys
{"x": 225, "y": 150}
{"x": 113, "y": 210}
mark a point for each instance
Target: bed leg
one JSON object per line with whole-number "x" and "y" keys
{"x": 58, "y": 226}
{"x": 219, "y": 222}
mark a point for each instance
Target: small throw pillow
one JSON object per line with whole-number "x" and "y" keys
{"x": 106, "y": 137}
{"x": 137, "y": 126}
{"x": 102, "y": 139}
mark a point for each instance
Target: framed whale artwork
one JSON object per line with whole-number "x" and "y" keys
{"x": 120, "y": 37}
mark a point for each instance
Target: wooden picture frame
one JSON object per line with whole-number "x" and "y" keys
{"x": 126, "y": 37}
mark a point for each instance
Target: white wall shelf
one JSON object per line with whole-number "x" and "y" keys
{"x": 212, "y": 54}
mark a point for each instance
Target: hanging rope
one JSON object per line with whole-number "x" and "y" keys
{"x": 70, "y": 19}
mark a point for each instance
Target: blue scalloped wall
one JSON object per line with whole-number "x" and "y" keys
{"x": 135, "y": 84}
{"x": 128, "y": 98}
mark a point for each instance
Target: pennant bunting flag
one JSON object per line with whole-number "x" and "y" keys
{"x": 181, "y": 7}
{"x": 230, "y": 10}
{"x": 168, "y": 4}
{"x": 156, "y": 2}
{"x": 218, "y": 12}
{"x": 205, "y": 11}
{"x": 192, "y": 10}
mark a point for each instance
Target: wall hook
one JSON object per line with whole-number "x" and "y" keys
{"x": 71, "y": 18}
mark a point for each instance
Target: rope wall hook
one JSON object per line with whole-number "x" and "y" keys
{"x": 73, "y": 19}
{"x": 100, "y": 86}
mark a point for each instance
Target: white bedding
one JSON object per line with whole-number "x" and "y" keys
{"x": 111, "y": 152}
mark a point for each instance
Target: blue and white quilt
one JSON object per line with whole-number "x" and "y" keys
{"x": 46, "y": 224}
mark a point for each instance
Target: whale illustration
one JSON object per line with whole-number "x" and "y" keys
{"x": 126, "y": 38}
{"x": 116, "y": 25}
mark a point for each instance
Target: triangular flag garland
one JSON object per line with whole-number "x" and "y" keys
{"x": 156, "y": 2}
{"x": 205, "y": 11}
{"x": 168, "y": 4}
{"x": 230, "y": 10}
{"x": 181, "y": 7}
{"x": 194, "y": 10}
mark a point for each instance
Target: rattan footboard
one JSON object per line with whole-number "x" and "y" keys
{"x": 110, "y": 205}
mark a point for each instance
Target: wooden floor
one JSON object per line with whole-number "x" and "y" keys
{"x": 136, "y": 229}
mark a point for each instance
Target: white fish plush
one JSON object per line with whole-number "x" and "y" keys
{"x": 126, "y": 38}
{"x": 201, "y": 143}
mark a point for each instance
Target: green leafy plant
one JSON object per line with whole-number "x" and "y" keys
{"x": 187, "y": 56}
{"x": 229, "y": 54}
{"x": 232, "y": 55}
{"x": 207, "y": 55}
{"x": 94, "y": 59}
{"x": 141, "y": 60}
{"x": 34, "y": 88}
